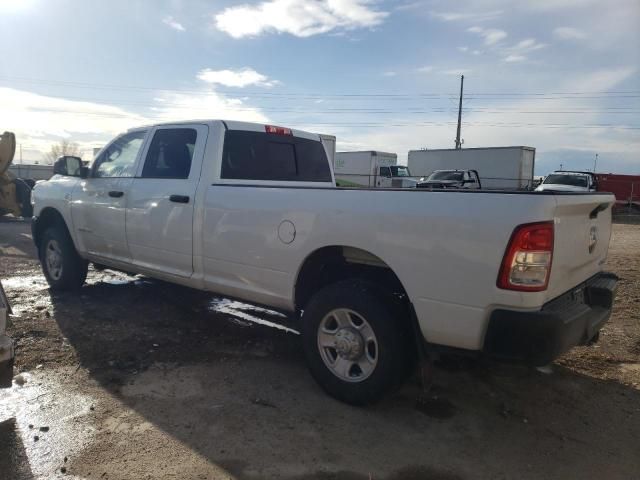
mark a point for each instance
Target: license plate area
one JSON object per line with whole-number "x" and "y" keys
{"x": 578, "y": 296}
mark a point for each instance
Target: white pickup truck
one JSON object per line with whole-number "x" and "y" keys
{"x": 375, "y": 277}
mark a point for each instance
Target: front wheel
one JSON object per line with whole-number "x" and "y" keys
{"x": 354, "y": 342}
{"x": 63, "y": 268}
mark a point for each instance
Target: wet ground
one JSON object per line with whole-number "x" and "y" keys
{"x": 134, "y": 378}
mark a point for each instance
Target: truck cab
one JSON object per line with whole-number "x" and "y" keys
{"x": 395, "y": 176}
{"x": 566, "y": 181}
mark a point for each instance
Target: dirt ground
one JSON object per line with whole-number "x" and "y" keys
{"x": 134, "y": 378}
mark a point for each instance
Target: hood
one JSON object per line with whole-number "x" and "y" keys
{"x": 558, "y": 187}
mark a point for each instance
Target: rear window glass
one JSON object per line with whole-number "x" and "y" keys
{"x": 262, "y": 156}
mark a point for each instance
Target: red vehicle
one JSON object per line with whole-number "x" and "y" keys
{"x": 626, "y": 188}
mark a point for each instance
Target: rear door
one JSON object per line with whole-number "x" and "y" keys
{"x": 160, "y": 205}
{"x": 581, "y": 239}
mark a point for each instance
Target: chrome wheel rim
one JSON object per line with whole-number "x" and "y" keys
{"x": 348, "y": 345}
{"x": 53, "y": 259}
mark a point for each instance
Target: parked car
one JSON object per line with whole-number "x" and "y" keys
{"x": 451, "y": 179}
{"x": 371, "y": 275}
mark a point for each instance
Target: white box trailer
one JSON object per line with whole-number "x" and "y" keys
{"x": 499, "y": 168}
{"x": 371, "y": 169}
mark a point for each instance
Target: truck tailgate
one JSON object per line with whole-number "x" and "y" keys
{"x": 581, "y": 239}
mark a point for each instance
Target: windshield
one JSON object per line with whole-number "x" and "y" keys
{"x": 398, "y": 171}
{"x": 445, "y": 175}
{"x": 566, "y": 179}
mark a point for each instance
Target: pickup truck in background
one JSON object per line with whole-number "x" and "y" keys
{"x": 451, "y": 179}
{"x": 626, "y": 188}
{"x": 566, "y": 181}
{"x": 375, "y": 277}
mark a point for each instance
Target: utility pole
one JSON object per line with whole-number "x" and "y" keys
{"x": 595, "y": 162}
{"x": 458, "y": 142}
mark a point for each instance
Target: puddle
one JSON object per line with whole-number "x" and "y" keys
{"x": 241, "y": 311}
{"x": 30, "y": 282}
{"x": 435, "y": 407}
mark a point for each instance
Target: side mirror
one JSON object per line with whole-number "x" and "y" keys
{"x": 68, "y": 166}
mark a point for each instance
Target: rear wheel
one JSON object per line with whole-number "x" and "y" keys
{"x": 63, "y": 268}
{"x": 355, "y": 342}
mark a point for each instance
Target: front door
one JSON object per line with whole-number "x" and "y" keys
{"x": 98, "y": 204}
{"x": 161, "y": 201}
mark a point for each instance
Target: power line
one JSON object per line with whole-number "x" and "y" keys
{"x": 497, "y": 95}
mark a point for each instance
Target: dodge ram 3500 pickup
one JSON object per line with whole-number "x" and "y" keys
{"x": 374, "y": 276}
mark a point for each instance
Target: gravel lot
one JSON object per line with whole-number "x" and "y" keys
{"x": 134, "y": 378}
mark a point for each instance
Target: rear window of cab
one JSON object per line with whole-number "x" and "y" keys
{"x": 261, "y": 156}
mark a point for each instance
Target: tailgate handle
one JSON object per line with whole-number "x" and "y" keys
{"x": 594, "y": 213}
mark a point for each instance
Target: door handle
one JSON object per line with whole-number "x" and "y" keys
{"x": 115, "y": 194}
{"x": 179, "y": 198}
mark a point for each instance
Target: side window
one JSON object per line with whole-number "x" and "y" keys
{"x": 170, "y": 153}
{"x": 385, "y": 172}
{"x": 261, "y": 156}
{"x": 119, "y": 159}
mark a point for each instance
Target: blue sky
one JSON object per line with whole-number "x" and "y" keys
{"x": 562, "y": 76}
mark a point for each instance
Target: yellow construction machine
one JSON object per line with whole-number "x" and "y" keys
{"x": 15, "y": 193}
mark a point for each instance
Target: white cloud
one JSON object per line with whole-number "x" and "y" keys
{"x": 171, "y": 22}
{"x": 389, "y": 74}
{"x": 236, "y": 78}
{"x": 463, "y": 49}
{"x": 426, "y": 69}
{"x": 569, "y": 33}
{"x": 466, "y": 16}
{"x": 491, "y": 35}
{"x": 515, "y": 58}
{"x": 302, "y": 18}
{"x": 516, "y": 53}
{"x": 211, "y": 104}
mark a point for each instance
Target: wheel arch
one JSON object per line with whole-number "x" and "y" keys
{"x": 332, "y": 263}
{"x": 48, "y": 217}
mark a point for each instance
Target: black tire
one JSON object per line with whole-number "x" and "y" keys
{"x": 23, "y": 195}
{"x": 390, "y": 331}
{"x": 73, "y": 269}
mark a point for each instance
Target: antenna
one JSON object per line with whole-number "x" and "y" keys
{"x": 458, "y": 143}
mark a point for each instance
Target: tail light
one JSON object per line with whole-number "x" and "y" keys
{"x": 527, "y": 261}
{"x": 277, "y": 130}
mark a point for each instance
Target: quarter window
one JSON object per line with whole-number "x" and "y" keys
{"x": 119, "y": 159}
{"x": 170, "y": 153}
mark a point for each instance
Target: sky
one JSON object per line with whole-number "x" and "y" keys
{"x": 562, "y": 76}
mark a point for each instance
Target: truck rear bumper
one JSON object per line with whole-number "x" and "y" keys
{"x": 537, "y": 338}
{"x": 6, "y": 361}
